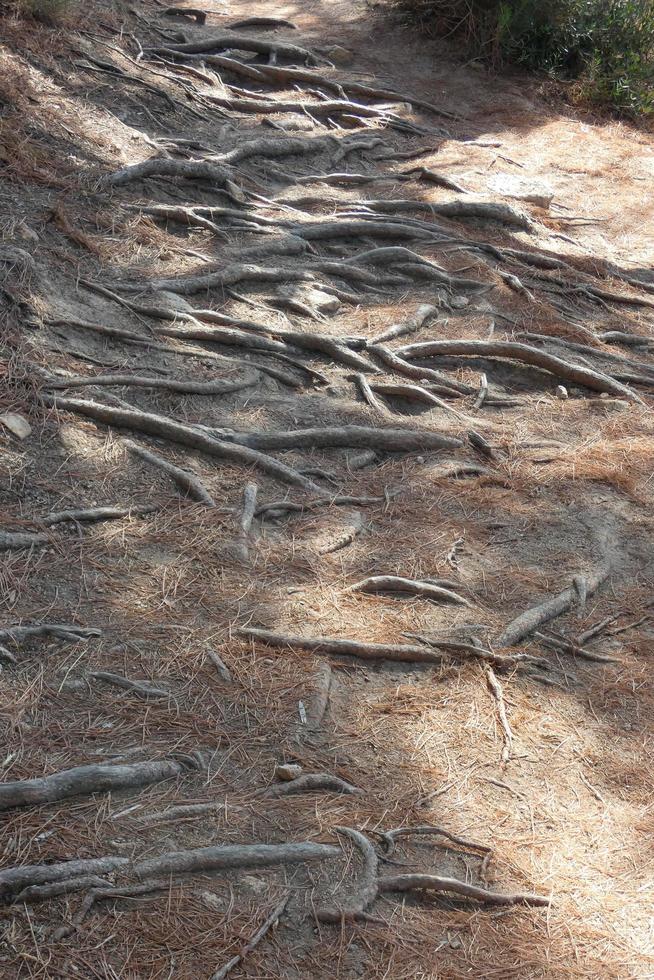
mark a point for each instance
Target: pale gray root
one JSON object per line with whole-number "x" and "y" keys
{"x": 328, "y": 108}
{"x": 254, "y": 941}
{"x": 247, "y": 516}
{"x": 408, "y": 586}
{"x": 413, "y": 324}
{"x": 186, "y": 435}
{"x": 59, "y": 631}
{"x": 14, "y": 880}
{"x": 230, "y": 275}
{"x": 39, "y": 893}
{"x": 188, "y": 482}
{"x": 433, "y": 177}
{"x": 222, "y": 669}
{"x": 483, "y": 392}
{"x": 228, "y": 41}
{"x": 533, "y": 618}
{"x": 166, "y": 167}
{"x": 273, "y": 149}
{"x": 454, "y": 468}
{"x": 573, "y": 648}
{"x": 358, "y": 227}
{"x": 107, "y": 891}
{"x": 311, "y": 782}
{"x": 223, "y": 857}
{"x": 497, "y": 691}
{"x": 329, "y": 645}
{"x": 369, "y": 395}
{"x": 200, "y": 16}
{"x": 342, "y": 178}
{"x": 169, "y": 384}
{"x": 345, "y": 538}
{"x": 92, "y": 514}
{"x": 391, "y": 359}
{"x": 526, "y": 355}
{"x": 389, "y": 837}
{"x": 366, "y": 885}
{"x": 317, "y": 707}
{"x": 350, "y": 436}
{"x": 140, "y": 688}
{"x": 486, "y": 210}
{"x": 475, "y": 651}
{"x": 262, "y": 22}
{"x": 417, "y": 393}
{"x": 84, "y": 781}
{"x": 183, "y": 812}
{"x": 420, "y": 882}
{"x": 19, "y": 540}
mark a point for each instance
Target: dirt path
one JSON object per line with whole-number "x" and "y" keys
{"x": 357, "y": 443}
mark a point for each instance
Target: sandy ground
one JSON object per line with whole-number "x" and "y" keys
{"x": 563, "y": 489}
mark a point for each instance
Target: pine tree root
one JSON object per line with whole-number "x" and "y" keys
{"x": 40, "y": 893}
{"x": 421, "y": 882}
{"x": 14, "y": 880}
{"x": 366, "y": 886}
{"x": 391, "y": 359}
{"x": 526, "y": 355}
{"x": 412, "y": 325}
{"x": 93, "y": 514}
{"x": 252, "y": 943}
{"x": 191, "y": 485}
{"x": 412, "y": 587}
{"x": 168, "y": 384}
{"x": 165, "y": 428}
{"x": 227, "y": 856}
{"x": 227, "y": 41}
{"x": 21, "y": 540}
{"x": 350, "y": 436}
{"x": 497, "y": 691}
{"x": 311, "y": 782}
{"x": 84, "y": 781}
{"x": 533, "y": 618}
{"x": 326, "y": 645}
{"x": 389, "y": 837}
{"x": 140, "y": 688}
{"x": 66, "y": 631}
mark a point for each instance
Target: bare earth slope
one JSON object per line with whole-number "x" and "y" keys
{"x": 326, "y": 442}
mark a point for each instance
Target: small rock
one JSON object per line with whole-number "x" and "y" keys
{"x": 533, "y": 191}
{"x": 562, "y": 393}
{"x": 255, "y": 885}
{"x": 72, "y": 684}
{"x": 616, "y": 405}
{"x": 296, "y": 124}
{"x": 17, "y": 424}
{"x": 458, "y": 302}
{"x": 314, "y": 299}
{"x": 213, "y": 901}
{"x": 27, "y": 233}
{"x": 340, "y": 55}
{"x": 605, "y": 396}
{"x": 288, "y": 772}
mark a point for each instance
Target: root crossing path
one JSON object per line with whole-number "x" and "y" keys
{"x": 326, "y": 477}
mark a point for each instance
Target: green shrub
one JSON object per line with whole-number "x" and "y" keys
{"x": 608, "y": 45}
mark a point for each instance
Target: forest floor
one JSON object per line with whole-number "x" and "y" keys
{"x": 199, "y": 345}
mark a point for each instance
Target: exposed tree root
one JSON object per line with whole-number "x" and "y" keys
{"x": 140, "y": 688}
{"x": 166, "y": 167}
{"x": 199, "y": 16}
{"x": 262, "y": 22}
{"x": 527, "y": 355}
{"x": 107, "y": 891}
{"x": 530, "y": 620}
{"x": 359, "y": 227}
{"x": 391, "y": 359}
{"x": 227, "y": 41}
{"x": 85, "y": 780}
{"x": 407, "y": 586}
{"x": 403, "y": 653}
{"x": 252, "y": 943}
{"x": 369, "y": 396}
{"x": 350, "y": 436}
{"x": 165, "y": 428}
{"x": 420, "y": 882}
{"x": 14, "y": 880}
{"x": 416, "y": 393}
{"x": 247, "y": 516}
{"x": 366, "y": 887}
{"x": 311, "y": 782}
{"x": 496, "y": 690}
{"x": 187, "y": 481}
{"x": 432, "y": 177}
{"x": 389, "y": 837}
{"x": 413, "y": 324}
{"x": 40, "y": 893}
{"x": 227, "y": 856}
{"x": 230, "y": 275}
{"x": 486, "y": 210}
{"x": 66, "y": 631}
{"x": 475, "y": 651}
{"x": 20, "y": 540}
{"x": 93, "y": 514}
{"x": 168, "y": 384}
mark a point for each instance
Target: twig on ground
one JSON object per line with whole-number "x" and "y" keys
{"x": 252, "y": 943}
{"x": 496, "y": 690}
{"x": 141, "y": 688}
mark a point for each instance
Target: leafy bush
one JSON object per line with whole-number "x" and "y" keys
{"x": 608, "y": 45}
